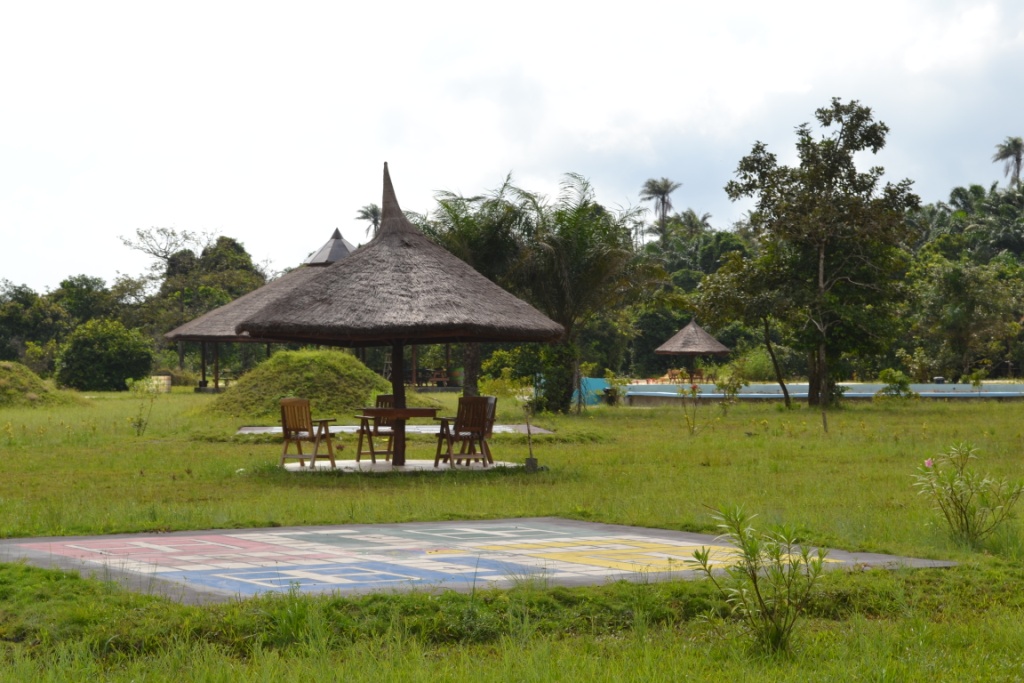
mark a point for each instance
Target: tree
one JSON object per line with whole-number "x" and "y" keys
{"x": 84, "y": 298}
{"x": 370, "y": 213}
{"x": 966, "y": 314}
{"x": 842, "y": 240}
{"x": 1011, "y": 152}
{"x": 102, "y": 355}
{"x": 579, "y": 262}
{"x": 486, "y": 232}
{"x": 26, "y": 316}
{"x": 751, "y": 290}
{"x": 659, "y": 192}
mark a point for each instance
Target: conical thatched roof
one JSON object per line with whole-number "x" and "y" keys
{"x": 336, "y": 249}
{"x": 692, "y": 340}
{"x": 219, "y": 324}
{"x": 400, "y": 288}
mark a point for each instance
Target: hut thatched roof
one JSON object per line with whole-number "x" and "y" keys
{"x": 219, "y": 324}
{"x": 399, "y": 288}
{"x": 336, "y": 249}
{"x": 692, "y": 340}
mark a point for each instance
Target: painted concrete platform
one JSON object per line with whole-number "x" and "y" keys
{"x": 223, "y": 565}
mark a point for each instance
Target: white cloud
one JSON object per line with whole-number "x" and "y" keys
{"x": 265, "y": 121}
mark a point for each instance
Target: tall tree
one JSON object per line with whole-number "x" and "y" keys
{"x": 1011, "y": 152}
{"x": 579, "y": 262}
{"x": 660, "y": 192}
{"x": 485, "y": 231}
{"x": 371, "y": 214}
{"x": 751, "y": 290}
{"x": 843, "y": 236}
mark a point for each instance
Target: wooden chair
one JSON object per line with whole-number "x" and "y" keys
{"x": 469, "y": 428}
{"x": 297, "y": 425}
{"x": 376, "y": 426}
{"x": 439, "y": 377}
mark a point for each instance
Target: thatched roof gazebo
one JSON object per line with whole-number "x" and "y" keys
{"x": 218, "y": 326}
{"x": 692, "y": 341}
{"x": 399, "y": 289}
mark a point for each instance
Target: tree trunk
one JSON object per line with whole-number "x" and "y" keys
{"x": 813, "y": 385}
{"x": 775, "y": 363}
{"x": 824, "y": 395}
{"x": 471, "y": 369}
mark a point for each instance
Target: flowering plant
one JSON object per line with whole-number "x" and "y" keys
{"x": 972, "y": 505}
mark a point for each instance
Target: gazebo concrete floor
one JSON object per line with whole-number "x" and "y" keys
{"x": 381, "y": 466}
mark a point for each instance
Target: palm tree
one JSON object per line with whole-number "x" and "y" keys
{"x": 658, "y": 191}
{"x": 1011, "y": 152}
{"x": 371, "y": 213}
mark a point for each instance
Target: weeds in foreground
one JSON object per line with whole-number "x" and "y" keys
{"x": 973, "y": 505}
{"x": 145, "y": 393}
{"x": 771, "y": 582}
{"x": 692, "y": 405}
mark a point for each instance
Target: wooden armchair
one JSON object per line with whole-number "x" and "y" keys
{"x": 297, "y": 425}
{"x": 371, "y": 426}
{"x": 470, "y": 428}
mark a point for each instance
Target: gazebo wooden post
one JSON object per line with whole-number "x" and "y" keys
{"x": 216, "y": 366}
{"x": 398, "y": 389}
{"x": 202, "y": 382}
{"x": 414, "y": 375}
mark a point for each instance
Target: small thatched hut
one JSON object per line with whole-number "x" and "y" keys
{"x": 218, "y": 326}
{"x": 692, "y": 340}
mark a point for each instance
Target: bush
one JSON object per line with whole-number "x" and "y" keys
{"x": 897, "y": 385}
{"x": 102, "y": 355}
{"x": 334, "y": 382}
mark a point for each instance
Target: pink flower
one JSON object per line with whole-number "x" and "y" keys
{"x": 694, "y": 388}
{"x": 929, "y": 463}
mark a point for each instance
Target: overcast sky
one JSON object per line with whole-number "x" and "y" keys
{"x": 270, "y": 122}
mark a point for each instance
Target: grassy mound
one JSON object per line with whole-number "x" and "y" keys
{"x": 335, "y": 382}
{"x": 19, "y": 386}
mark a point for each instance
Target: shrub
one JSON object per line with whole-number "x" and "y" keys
{"x": 972, "y": 505}
{"x": 333, "y": 381}
{"x": 897, "y": 385}
{"x": 770, "y": 582}
{"x": 101, "y": 355}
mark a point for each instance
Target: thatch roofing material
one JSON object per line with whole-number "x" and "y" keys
{"x": 219, "y": 324}
{"x": 692, "y": 340}
{"x": 400, "y": 288}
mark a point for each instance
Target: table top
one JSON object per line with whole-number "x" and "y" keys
{"x": 400, "y": 413}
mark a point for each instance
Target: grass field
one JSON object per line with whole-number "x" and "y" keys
{"x": 84, "y": 470}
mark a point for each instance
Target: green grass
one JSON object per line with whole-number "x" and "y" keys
{"x": 82, "y": 470}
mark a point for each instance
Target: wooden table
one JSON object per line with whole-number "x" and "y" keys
{"x": 398, "y": 416}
